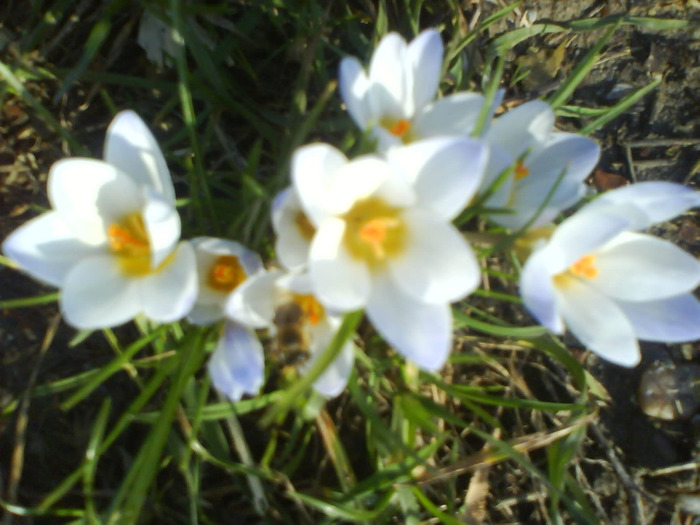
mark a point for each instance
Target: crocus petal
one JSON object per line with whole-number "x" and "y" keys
{"x": 208, "y": 249}
{"x": 353, "y": 84}
{"x": 388, "y": 91}
{"x": 537, "y": 291}
{"x": 92, "y": 194}
{"x": 424, "y": 55}
{"x": 581, "y": 234}
{"x": 168, "y": 295}
{"x": 598, "y": 323}
{"x": 437, "y": 266}
{"x": 333, "y": 380}
{"x": 162, "y": 223}
{"x": 523, "y": 127}
{"x": 237, "y": 366}
{"x": 672, "y": 320}
{"x": 131, "y": 147}
{"x": 499, "y": 161}
{"x": 452, "y": 115}
{"x": 292, "y": 245}
{"x": 312, "y": 166}
{"x": 419, "y": 331}
{"x": 205, "y": 314}
{"x": 445, "y": 171}
{"x": 46, "y": 248}
{"x": 96, "y": 294}
{"x": 637, "y": 267}
{"x": 253, "y": 302}
{"x": 340, "y": 282}
{"x": 572, "y": 154}
{"x": 658, "y": 201}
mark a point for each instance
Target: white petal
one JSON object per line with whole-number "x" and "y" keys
{"x": 169, "y": 294}
{"x": 353, "y": 84}
{"x": 523, "y": 127}
{"x": 537, "y": 291}
{"x": 637, "y": 267}
{"x": 208, "y": 249}
{"x": 673, "y": 320}
{"x": 253, "y": 302}
{"x": 437, "y": 266}
{"x": 452, "y": 115}
{"x": 581, "y": 234}
{"x": 572, "y": 154}
{"x": 499, "y": 161}
{"x": 312, "y": 170}
{"x": 419, "y": 331}
{"x": 162, "y": 224}
{"x": 446, "y": 171}
{"x": 96, "y": 294}
{"x": 333, "y": 380}
{"x": 131, "y": 147}
{"x": 291, "y": 246}
{"x": 598, "y": 323}
{"x": 389, "y": 79}
{"x": 385, "y": 140}
{"x": 425, "y": 57}
{"x": 92, "y": 194}
{"x": 46, "y": 248}
{"x": 340, "y": 282}
{"x": 237, "y": 366}
{"x": 205, "y": 314}
{"x": 658, "y": 201}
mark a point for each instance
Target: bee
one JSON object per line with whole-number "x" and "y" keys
{"x": 291, "y": 343}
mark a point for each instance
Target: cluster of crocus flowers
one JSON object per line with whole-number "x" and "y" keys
{"x": 373, "y": 233}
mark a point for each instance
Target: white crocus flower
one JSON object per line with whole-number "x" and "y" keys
{"x": 110, "y": 242}
{"x": 394, "y": 99}
{"x": 540, "y": 159}
{"x": 293, "y": 229}
{"x": 221, "y": 266}
{"x": 610, "y": 285}
{"x": 384, "y": 241}
{"x": 237, "y": 365}
{"x": 302, "y": 328}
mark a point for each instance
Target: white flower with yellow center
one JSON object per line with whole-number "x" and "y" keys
{"x": 394, "y": 99}
{"x": 237, "y": 365}
{"x": 548, "y": 167}
{"x": 301, "y": 327}
{"x": 611, "y": 286}
{"x": 110, "y": 242}
{"x": 383, "y": 239}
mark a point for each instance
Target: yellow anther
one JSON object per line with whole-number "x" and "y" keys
{"x": 521, "y": 171}
{"x": 225, "y": 273}
{"x": 585, "y": 267}
{"x": 374, "y": 231}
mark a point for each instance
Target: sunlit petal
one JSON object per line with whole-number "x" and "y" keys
{"x": 353, "y": 84}
{"x": 162, "y": 223}
{"x": 537, "y": 291}
{"x": 438, "y": 265}
{"x": 672, "y": 320}
{"x": 131, "y": 147}
{"x": 388, "y": 76}
{"x": 452, "y": 115}
{"x": 522, "y": 128}
{"x": 598, "y": 323}
{"x": 419, "y": 331}
{"x": 424, "y": 54}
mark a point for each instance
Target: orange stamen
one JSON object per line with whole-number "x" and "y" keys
{"x": 521, "y": 171}
{"x": 313, "y": 310}
{"x": 225, "y": 273}
{"x": 585, "y": 267}
{"x": 400, "y": 127}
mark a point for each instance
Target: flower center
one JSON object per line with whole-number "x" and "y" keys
{"x": 400, "y": 128}
{"x": 225, "y": 273}
{"x": 583, "y": 268}
{"x": 128, "y": 241}
{"x": 521, "y": 171}
{"x": 313, "y": 311}
{"x": 304, "y": 225}
{"x": 374, "y": 231}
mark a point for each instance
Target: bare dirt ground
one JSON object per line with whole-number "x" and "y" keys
{"x": 634, "y": 468}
